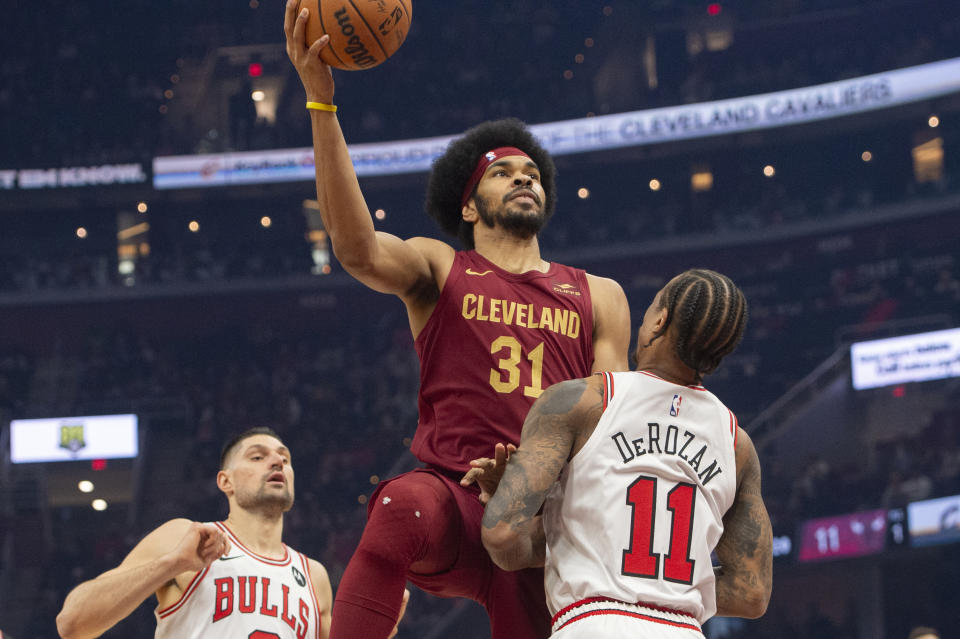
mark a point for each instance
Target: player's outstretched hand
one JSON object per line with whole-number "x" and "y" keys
{"x": 487, "y": 472}
{"x": 200, "y": 546}
{"x": 314, "y": 72}
{"x": 403, "y": 610}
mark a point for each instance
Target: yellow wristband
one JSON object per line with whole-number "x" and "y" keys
{"x": 320, "y": 106}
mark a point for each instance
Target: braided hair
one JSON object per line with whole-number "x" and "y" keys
{"x": 709, "y": 312}
{"x": 452, "y": 170}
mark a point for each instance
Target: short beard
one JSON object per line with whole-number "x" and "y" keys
{"x": 517, "y": 223}
{"x": 266, "y": 503}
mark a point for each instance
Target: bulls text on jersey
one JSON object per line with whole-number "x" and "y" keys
{"x": 253, "y": 595}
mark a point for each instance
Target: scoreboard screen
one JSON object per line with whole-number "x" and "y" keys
{"x": 851, "y": 535}
{"x": 908, "y": 358}
{"x": 934, "y": 521}
{"x": 73, "y": 438}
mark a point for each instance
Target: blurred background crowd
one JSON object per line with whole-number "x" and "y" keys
{"x": 231, "y": 312}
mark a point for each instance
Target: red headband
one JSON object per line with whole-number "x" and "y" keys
{"x": 486, "y": 160}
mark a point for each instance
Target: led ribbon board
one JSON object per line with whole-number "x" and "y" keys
{"x": 909, "y": 358}
{"x": 851, "y": 535}
{"x": 636, "y": 128}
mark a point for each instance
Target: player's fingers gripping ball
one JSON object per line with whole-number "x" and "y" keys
{"x": 363, "y": 33}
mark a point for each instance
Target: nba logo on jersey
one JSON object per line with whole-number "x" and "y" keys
{"x": 675, "y": 406}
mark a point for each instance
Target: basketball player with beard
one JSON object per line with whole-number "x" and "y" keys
{"x": 494, "y": 325}
{"x": 227, "y": 579}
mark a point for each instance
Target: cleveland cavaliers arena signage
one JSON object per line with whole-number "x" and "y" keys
{"x": 636, "y": 128}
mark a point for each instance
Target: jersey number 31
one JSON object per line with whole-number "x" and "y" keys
{"x": 506, "y": 379}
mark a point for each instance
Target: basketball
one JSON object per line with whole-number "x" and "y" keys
{"x": 363, "y": 33}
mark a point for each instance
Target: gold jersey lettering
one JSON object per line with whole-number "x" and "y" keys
{"x": 560, "y": 320}
{"x": 480, "y": 315}
{"x": 495, "y": 310}
{"x": 573, "y": 326}
{"x": 468, "y": 310}
{"x": 546, "y": 319}
{"x": 509, "y": 310}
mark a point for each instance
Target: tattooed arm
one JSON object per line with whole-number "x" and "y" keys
{"x": 556, "y": 427}
{"x": 745, "y": 550}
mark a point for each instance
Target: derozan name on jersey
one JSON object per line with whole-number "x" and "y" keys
{"x": 630, "y": 449}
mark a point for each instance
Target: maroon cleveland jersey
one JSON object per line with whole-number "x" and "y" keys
{"x": 495, "y": 341}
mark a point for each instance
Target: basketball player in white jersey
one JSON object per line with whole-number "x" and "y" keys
{"x": 654, "y": 475}
{"x": 221, "y": 580}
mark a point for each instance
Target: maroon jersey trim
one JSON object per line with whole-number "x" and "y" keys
{"x": 551, "y": 271}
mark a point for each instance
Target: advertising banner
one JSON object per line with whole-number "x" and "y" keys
{"x": 651, "y": 126}
{"x": 72, "y": 176}
{"x": 908, "y": 358}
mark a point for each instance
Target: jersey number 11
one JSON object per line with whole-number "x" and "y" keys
{"x": 639, "y": 560}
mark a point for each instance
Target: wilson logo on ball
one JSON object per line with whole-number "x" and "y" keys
{"x": 363, "y": 33}
{"x": 355, "y": 47}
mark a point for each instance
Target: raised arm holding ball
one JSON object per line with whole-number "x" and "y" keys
{"x": 494, "y": 325}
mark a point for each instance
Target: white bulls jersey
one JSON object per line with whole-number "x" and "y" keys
{"x": 638, "y": 510}
{"x": 245, "y": 595}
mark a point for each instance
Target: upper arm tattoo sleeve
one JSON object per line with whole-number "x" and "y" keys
{"x": 548, "y": 435}
{"x": 745, "y": 549}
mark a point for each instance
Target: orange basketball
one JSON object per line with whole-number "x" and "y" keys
{"x": 363, "y": 33}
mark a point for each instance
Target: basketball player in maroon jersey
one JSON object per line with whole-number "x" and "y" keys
{"x": 493, "y": 325}
{"x": 218, "y": 580}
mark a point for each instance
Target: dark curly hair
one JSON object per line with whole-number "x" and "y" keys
{"x": 452, "y": 170}
{"x": 710, "y": 313}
